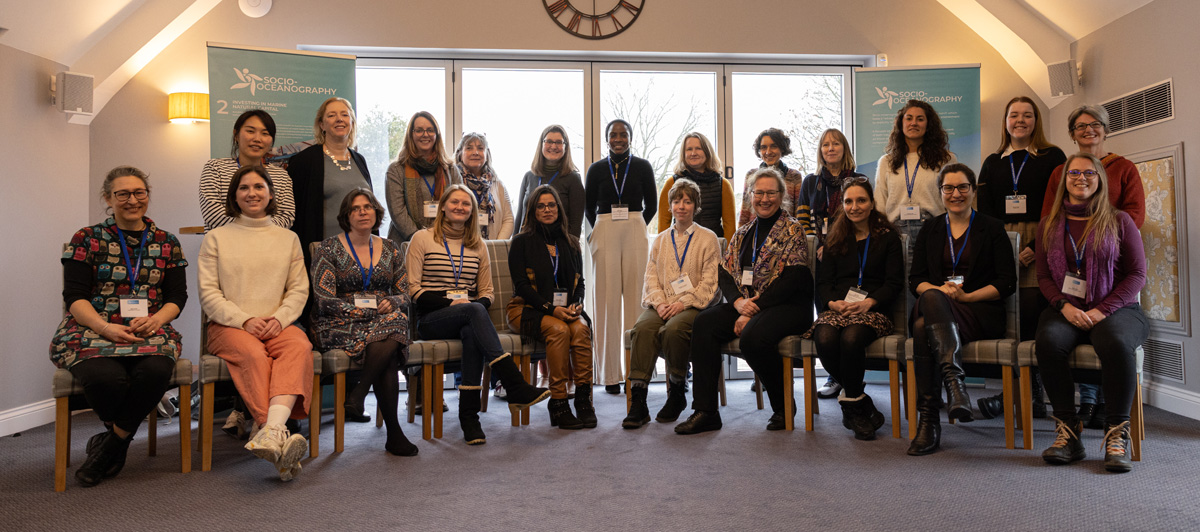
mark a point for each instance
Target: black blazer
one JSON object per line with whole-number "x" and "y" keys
{"x": 883, "y": 276}
{"x": 307, "y": 170}
{"x": 991, "y": 263}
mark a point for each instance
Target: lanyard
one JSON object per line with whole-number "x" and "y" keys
{"x": 133, "y": 268}
{"x": 624, "y": 179}
{"x": 552, "y": 178}
{"x": 366, "y": 273}
{"x": 554, "y": 262}
{"x": 1016, "y": 172}
{"x": 862, "y": 261}
{"x": 910, "y": 182}
{"x": 686, "y": 246}
{"x": 753, "y": 247}
{"x": 1078, "y": 253}
{"x": 461, "y": 262}
{"x": 430, "y": 186}
{"x": 955, "y": 257}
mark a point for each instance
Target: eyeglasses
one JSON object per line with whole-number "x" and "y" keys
{"x": 420, "y": 132}
{"x": 1078, "y": 128}
{"x": 962, "y": 188}
{"x": 123, "y": 195}
{"x": 546, "y": 206}
{"x": 1084, "y": 174}
{"x": 362, "y": 208}
{"x": 552, "y": 142}
{"x": 769, "y": 194}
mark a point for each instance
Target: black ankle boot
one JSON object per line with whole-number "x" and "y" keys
{"x": 583, "y": 406}
{"x": 101, "y": 460}
{"x": 468, "y": 417}
{"x": 991, "y": 407}
{"x": 1116, "y": 448}
{"x": 118, "y": 463}
{"x": 561, "y": 416}
{"x": 929, "y": 402}
{"x": 945, "y": 344}
{"x": 1067, "y": 446}
{"x": 1039, "y": 401}
{"x": 521, "y": 394}
{"x": 354, "y": 410}
{"x": 861, "y": 416}
{"x": 639, "y": 411}
{"x": 676, "y": 402}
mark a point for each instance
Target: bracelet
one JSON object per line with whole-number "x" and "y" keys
{"x": 106, "y": 325}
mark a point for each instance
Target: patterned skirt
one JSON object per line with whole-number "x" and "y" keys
{"x": 881, "y": 324}
{"x": 74, "y": 343}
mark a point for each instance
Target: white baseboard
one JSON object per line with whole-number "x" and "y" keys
{"x": 1172, "y": 399}
{"x": 26, "y": 417}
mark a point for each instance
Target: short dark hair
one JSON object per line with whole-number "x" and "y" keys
{"x": 266, "y": 119}
{"x": 781, "y": 139}
{"x": 343, "y": 217}
{"x": 957, "y": 167}
{"x": 608, "y": 127}
{"x": 231, "y": 206}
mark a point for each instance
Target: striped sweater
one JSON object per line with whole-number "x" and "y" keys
{"x": 430, "y": 274}
{"x": 214, "y": 185}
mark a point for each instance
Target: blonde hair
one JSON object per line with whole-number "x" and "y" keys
{"x": 847, "y": 157}
{"x": 712, "y": 163}
{"x": 471, "y": 237}
{"x": 319, "y": 133}
{"x": 1102, "y": 220}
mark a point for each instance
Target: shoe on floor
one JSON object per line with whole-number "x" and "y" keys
{"x": 1116, "y": 449}
{"x": 268, "y": 442}
{"x": 777, "y": 422}
{"x": 699, "y": 422}
{"x": 295, "y": 447}
{"x": 235, "y": 425}
{"x": 499, "y": 392}
{"x": 612, "y": 389}
{"x": 1067, "y": 446}
{"x": 829, "y": 390}
{"x": 991, "y": 407}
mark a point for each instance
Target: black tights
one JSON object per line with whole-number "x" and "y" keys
{"x": 380, "y": 368}
{"x": 935, "y": 308}
{"x": 123, "y": 390}
{"x": 843, "y": 352}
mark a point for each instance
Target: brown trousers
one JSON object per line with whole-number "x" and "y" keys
{"x": 261, "y": 370}
{"x": 568, "y": 345}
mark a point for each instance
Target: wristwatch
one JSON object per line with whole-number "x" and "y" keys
{"x": 1058, "y": 305}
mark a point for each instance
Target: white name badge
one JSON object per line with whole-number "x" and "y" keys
{"x": 134, "y": 307}
{"x": 682, "y": 285}
{"x": 855, "y": 294}
{"x": 483, "y": 219}
{"x": 910, "y": 211}
{"x": 620, "y": 212}
{"x": 1014, "y": 204}
{"x": 1073, "y": 285}
{"x": 560, "y": 299}
{"x": 366, "y": 301}
{"x": 956, "y": 279}
{"x": 456, "y": 294}
{"x": 430, "y": 209}
{"x": 747, "y": 277}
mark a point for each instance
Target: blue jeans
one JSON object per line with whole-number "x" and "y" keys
{"x": 1090, "y": 393}
{"x": 470, "y": 323}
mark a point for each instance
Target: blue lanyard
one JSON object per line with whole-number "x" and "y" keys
{"x": 862, "y": 261}
{"x": 910, "y": 182}
{"x": 624, "y": 179}
{"x": 686, "y": 246}
{"x": 955, "y": 257}
{"x": 1078, "y": 253}
{"x": 1016, "y": 172}
{"x": 552, "y": 178}
{"x": 554, "y": 262}
{"x": 753, "y": 247}
{"x": 133, "y": 268}
{"x": 430, "y": 186}
{"x": 366, "y": 273}
{"x": 461, "y": 262}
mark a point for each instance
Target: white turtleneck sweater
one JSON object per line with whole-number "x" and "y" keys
{"x": 252, "y": 268}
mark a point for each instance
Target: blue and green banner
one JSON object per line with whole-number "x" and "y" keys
{"x": 880, "y": 93}
{"x": 288, "y": 84}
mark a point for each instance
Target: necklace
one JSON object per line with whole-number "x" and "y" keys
{"x": 336, "y": 162}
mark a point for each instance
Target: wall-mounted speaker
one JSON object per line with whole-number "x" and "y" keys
{"x": 1063, "y": 77}
{"x": 71, "y": 92}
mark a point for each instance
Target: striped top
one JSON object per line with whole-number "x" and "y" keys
{"x": 430, "y": 270}
{"x": 214, "y": 185}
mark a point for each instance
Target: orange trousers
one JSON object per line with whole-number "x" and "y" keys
{"x": 261, "y": 370}
{"x": 568, "y": 345}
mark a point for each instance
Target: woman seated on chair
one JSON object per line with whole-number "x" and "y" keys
{"x": 362, "y": 308}
{"x": 962, "y": 269}
{"x": 253, "y": 287}
{"x": 681, "y": 281}
{"x": 768, "y": 289}
{"x": 123, "y": 284}
{"x": 450, "y": 283}
{"x": 1091, "y": 267}
{"x": 860, "y": 274}
{"x": 546, "y": 265}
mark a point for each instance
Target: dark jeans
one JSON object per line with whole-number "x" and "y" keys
{"x": 759, "y": 345}
{"x": 1116, "y": 339}
{"x": 123, "y": 390}
{"x": 470, "y": 323}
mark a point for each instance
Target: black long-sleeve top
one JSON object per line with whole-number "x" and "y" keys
{"x": 989, "y": 261}
{"x": 883, "y": 274}
{"x": 794, "y": 284}
{"x": 640, "y": 192}
{"x": 533, "y": 273}
{"x": 995, "y": 183}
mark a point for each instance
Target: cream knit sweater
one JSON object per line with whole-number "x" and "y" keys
{"x": 252, "y": 268}
{"x": 701, "y": 264}
{"x": 891, "y": 192}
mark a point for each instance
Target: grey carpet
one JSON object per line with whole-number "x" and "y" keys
{"x": 538, "y": 478}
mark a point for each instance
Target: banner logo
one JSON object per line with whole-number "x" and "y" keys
{"x": 885, "y": 96}
{"x": 256, "y": 83}
{"x": 248, "y": 79}
{"x": 892, "y": 97}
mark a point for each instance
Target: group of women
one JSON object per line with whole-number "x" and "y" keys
{"x": 268, "y": 301}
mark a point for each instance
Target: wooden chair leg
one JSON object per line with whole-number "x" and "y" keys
{"x": 530, "y": 372}
{"x": 912, "y": 401}
{"x": 206, "y": 425}
{"x": 628, "y": 394}
{"x": 411, "y": 402}
{"x": 789, "y": 396}
{"x": 70, "y": 423}
{"x": 487, "y": 384}
{"x": 314, "y": 418}
{"x": 1137, "y": 429}
{"x": 1025, "y": 384}
{"x": 721, "y": 381}
{"x": 1008, "y": 396}
{"x": 62, "y": 442}
{"x": 185, "y": 428}
{"x": 152, "y": 432}
{"x": 426, "y": 407}
{"x": 378, "y": 416}
{"x": 437, "y": 398}
{"x": 339, "y": 412}
{"x": 758, "y": 392}
{"x": 810, "y": 394}
{"x": 894, "y": 387}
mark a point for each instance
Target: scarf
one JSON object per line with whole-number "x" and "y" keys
{"x": 1100, "y": 258}
{"x": 784, "y": 246}
{"x": 833, "y": 197}
{"x": 413, "y": 184}
{"x": 481, "y": 186}
{"x": 568, "y": 274}
{"x": 782, "y": 168}
{"x": 450, "y": 233}
{"x": 701, "y": 178}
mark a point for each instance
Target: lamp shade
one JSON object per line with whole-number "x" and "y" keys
{"x": 187, "y": 107}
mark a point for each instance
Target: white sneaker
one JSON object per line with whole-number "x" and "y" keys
{"x": 294, "y": 450}
{"x": 235, "y": 425}
{"x": 268, "y": 443}
{"x": 499, "y": 392}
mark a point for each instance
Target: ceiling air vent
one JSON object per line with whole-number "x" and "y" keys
{"x": 1141, "y": 108}
{"x": 1164, "y": 359}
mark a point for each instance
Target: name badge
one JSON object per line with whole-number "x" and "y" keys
{"x": 620, "y": 211}
{"x": 855, "y": 294}
{"x": 483, "y": 219}
{"x": 747, "y": 277}
{"x": 1073, "y": 285}
{"x": 1014, "y": 204}
{"x": 134, "y": 307}
{"x": 366, "y": 301}
{"x": 456, "y": 294}
{"x": 560, "y": 299}
{"x": 681, "y": 285}
{"x": 430, "y": 209}
{"x": 910, "y": 211}
{"x": 956, "y": 279}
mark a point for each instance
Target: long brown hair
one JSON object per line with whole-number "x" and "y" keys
{"x": 539, "y": 160}
{"x": 841, "y": 235}
{"x": 408, "y": 152}
{"x": 935, "y": 147}
{"x": 1038, "y": 141}
{"x": 471, "y": 237}
{"x": 530, "y": 223}
{"x": 1103, "y": 218}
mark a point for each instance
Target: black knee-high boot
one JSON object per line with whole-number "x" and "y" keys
{"x": 945, "y": 344}
{"x": 929, "y": 402}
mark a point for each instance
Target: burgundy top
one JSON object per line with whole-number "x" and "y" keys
{"x": 1128, "y": 270}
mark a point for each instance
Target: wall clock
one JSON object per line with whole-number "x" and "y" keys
{"x": 594, "y": 19}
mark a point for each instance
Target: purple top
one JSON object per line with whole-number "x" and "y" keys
{"x": 1114, "y": 279}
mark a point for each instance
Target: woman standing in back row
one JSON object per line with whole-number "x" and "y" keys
{"x": 418, "y": 177}
{"x": 906, "y": 179}
{"x": 552, "y": 166}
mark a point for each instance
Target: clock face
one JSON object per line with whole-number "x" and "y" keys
{"x": 594, "y": 19}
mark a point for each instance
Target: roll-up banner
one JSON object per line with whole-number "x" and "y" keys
{"x": 880, "y": 93}
{"x": 290, "y": 85}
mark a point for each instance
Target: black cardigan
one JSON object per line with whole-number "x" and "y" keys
{"x": 995, "y": 184}
{"x": 883, "y": 276}
{"x": 991, "y": 263}
{"x": 528, "y": 257}
{"x": 307, "y": 170}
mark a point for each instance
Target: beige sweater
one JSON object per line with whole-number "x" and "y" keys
{"x": 252, "y": 268}
{"x": 701, "y": 263}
